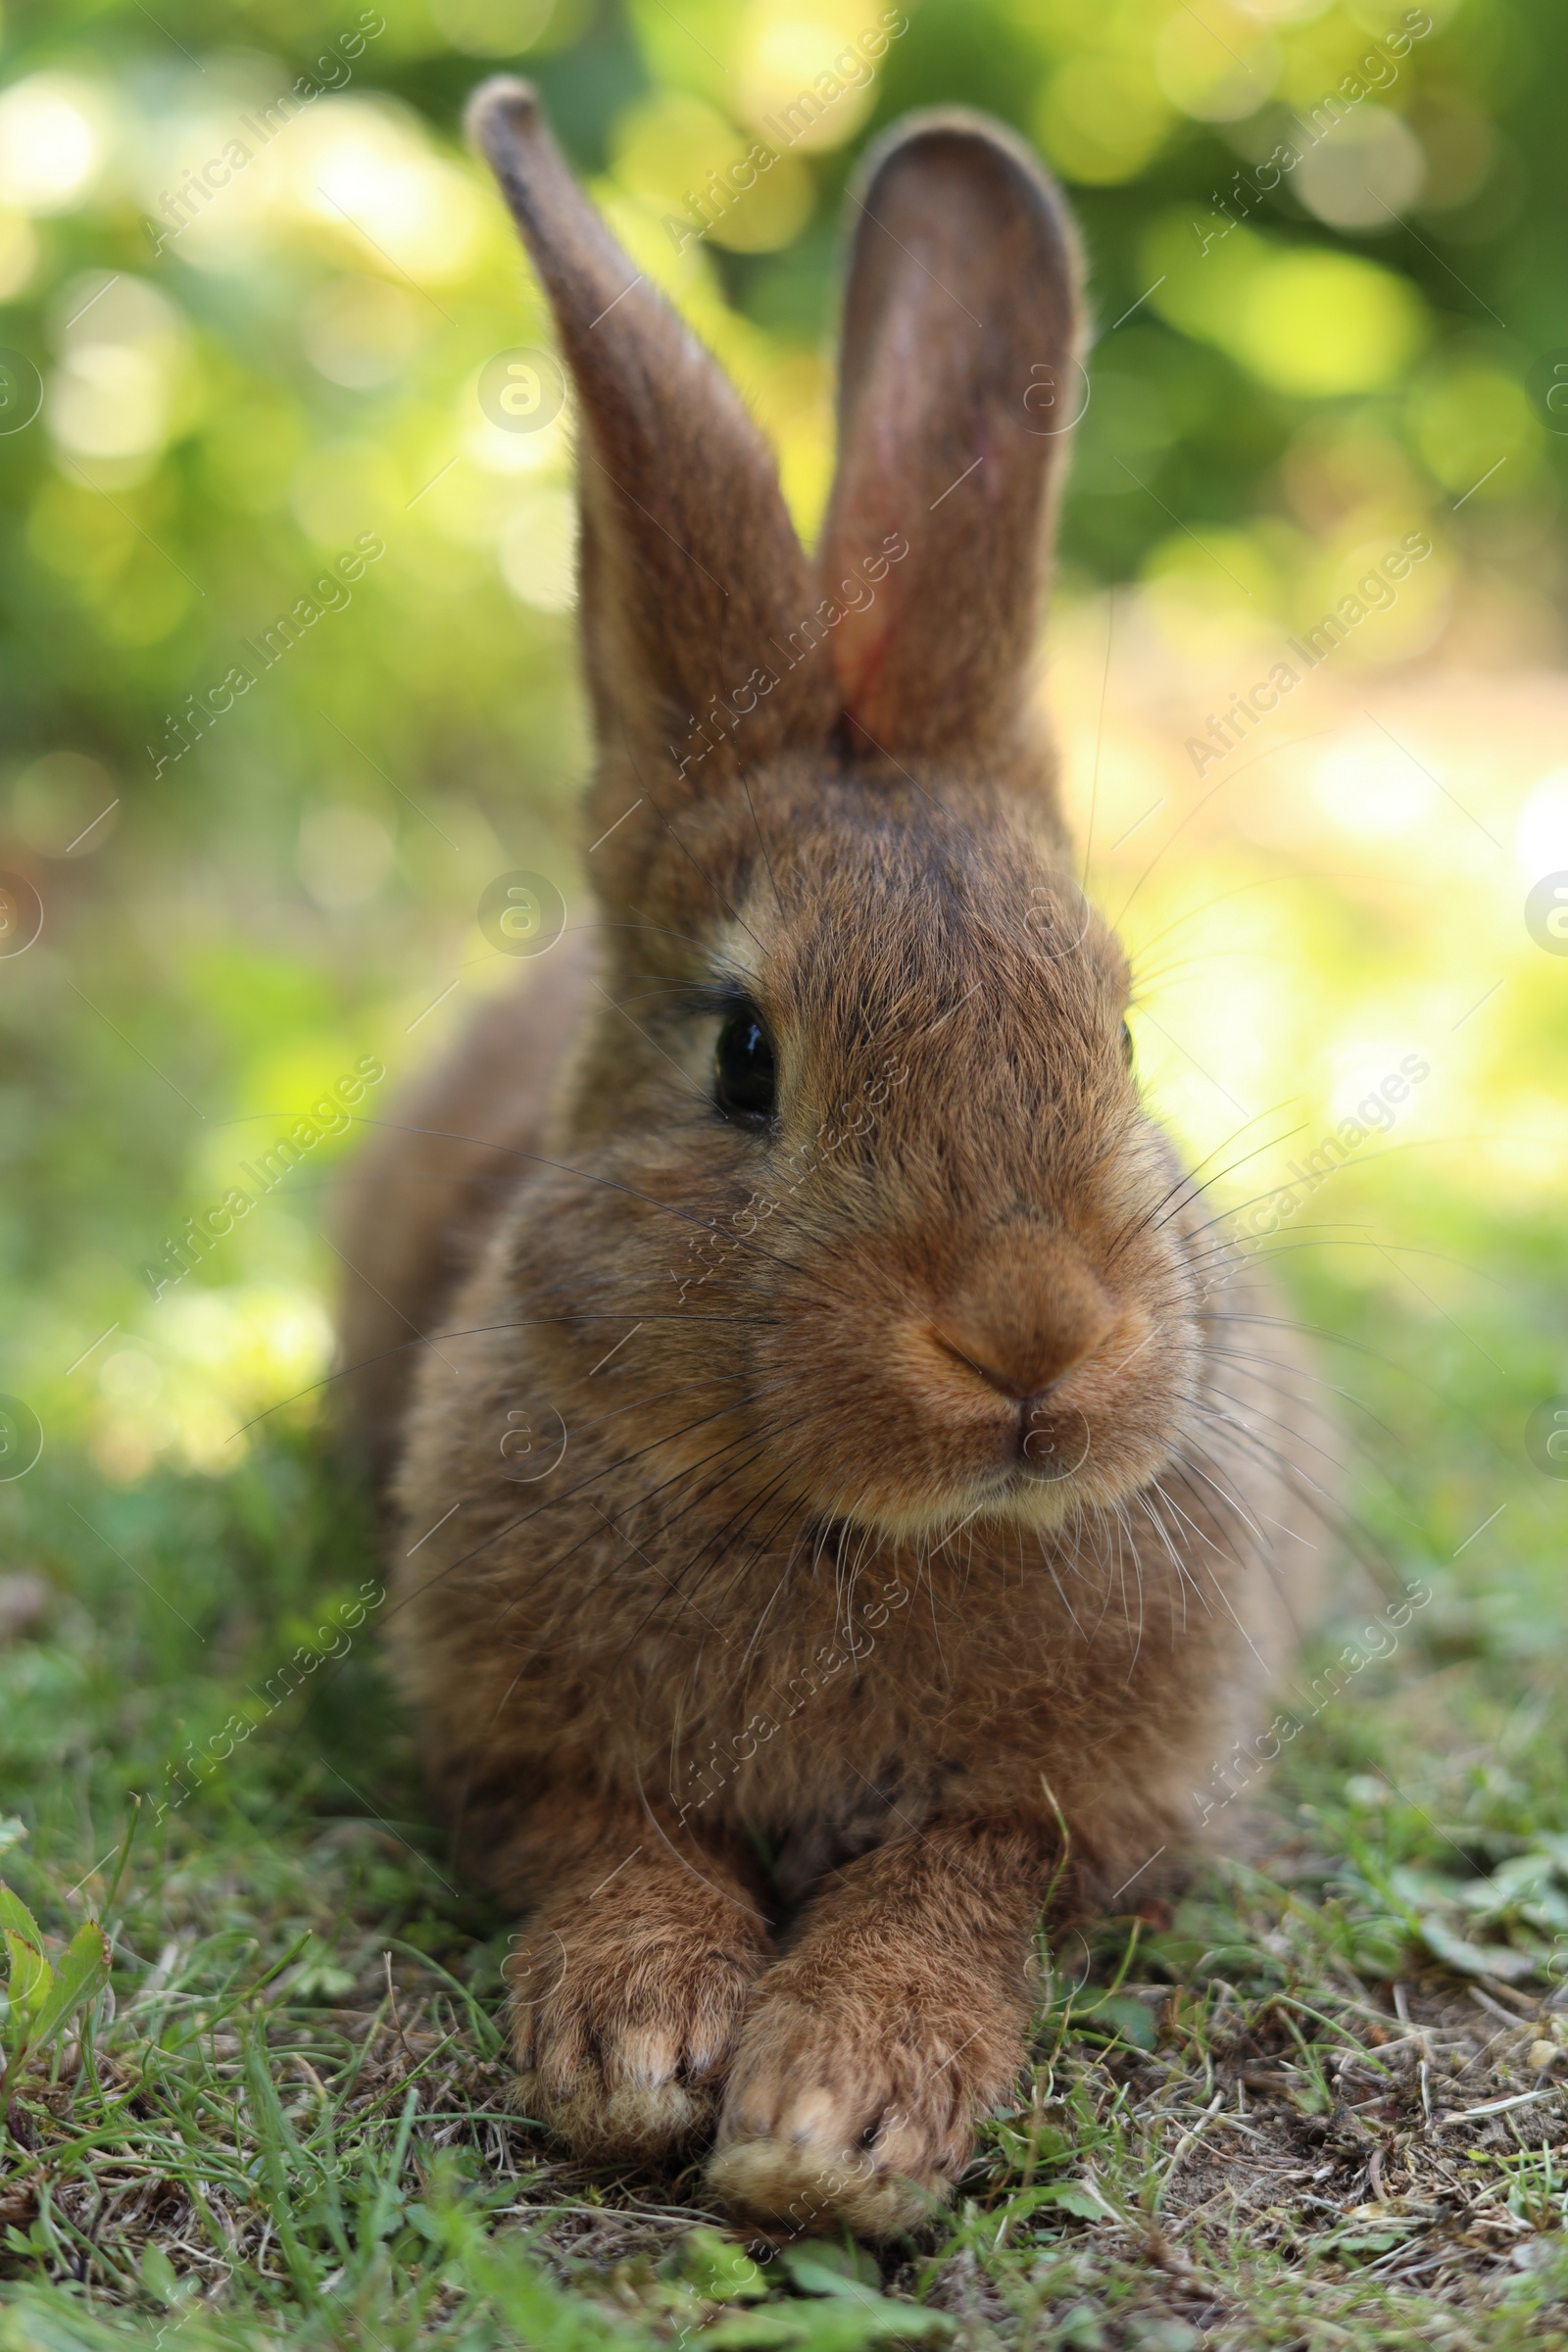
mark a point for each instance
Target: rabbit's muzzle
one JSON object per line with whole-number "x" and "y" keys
{"x": 1021, "y": 1380}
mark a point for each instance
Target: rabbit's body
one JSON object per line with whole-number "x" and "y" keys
{"x": 423, "y": 1195}
{"x": 851, "y": 1494}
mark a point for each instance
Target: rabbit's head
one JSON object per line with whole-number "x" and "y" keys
{"x": 854, "y": 1139}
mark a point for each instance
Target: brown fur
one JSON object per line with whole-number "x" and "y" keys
{"x": 921, "y": 1536}
{"x": 430, "y": 1182}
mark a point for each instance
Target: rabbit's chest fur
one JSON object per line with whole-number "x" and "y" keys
{"x": 817, "y": 1690}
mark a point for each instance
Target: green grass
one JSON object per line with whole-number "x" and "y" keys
{"x": 1252, "y": 2118}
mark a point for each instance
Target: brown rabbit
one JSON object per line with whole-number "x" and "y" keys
{"x": 843, "y": 1502}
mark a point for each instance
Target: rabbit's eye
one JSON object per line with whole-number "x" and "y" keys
{"x": 744, "y": 1082}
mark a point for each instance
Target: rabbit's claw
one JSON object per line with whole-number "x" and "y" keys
{"x": 622, "y": 2051}
{"x": 855, "y": 2103}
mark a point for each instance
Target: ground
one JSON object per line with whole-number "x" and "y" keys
{"x": 1316, "y": 2093}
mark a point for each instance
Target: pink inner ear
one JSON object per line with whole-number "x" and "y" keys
{"x": 859, "y": 653}
{"x": 878, "y": 501}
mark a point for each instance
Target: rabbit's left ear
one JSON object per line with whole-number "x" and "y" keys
{"x": 692, "y": 573}
{"x": 959, "y": 375}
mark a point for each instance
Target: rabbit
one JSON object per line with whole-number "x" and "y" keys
{"x": 848, "y": 1497}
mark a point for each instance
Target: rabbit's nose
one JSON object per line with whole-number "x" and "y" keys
{"x": 1024, "y": 1317}
{"x": 1018, "y": 1389}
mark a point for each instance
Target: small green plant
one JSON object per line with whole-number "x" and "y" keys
{"x": 41, "y": 1996}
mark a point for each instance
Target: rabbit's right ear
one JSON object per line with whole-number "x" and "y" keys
{"x": 956, "y": 382}
{"x": 692, "y": 574}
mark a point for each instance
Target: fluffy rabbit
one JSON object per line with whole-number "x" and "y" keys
{"x": 841, "y": 1509}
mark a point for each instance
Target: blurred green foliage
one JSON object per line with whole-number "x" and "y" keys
{"x": 1326, "y": 253}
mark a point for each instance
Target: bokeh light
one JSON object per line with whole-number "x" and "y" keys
{"x": 260, "y": 281}
{"x": 54, "y": 137}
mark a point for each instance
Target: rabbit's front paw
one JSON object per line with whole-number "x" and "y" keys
{"x": 623, "y": 2029}
{"x": 852, "y": 2097}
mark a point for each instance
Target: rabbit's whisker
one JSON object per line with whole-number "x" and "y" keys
{"x": 1248, "y": 1404}
{"x": 1183, "y": 1187}
{"x": 1346, "y": 1339}
{"x": 1219, "y": 1588}
{"x": 1347, "y": 1529}
{"x": 1189, "y": 914}
{"x": 596, "y": 1585}
{"x": 768, "y": 858}
{"x": 554, "y": 1503}
{"x": 587, "y": 1176}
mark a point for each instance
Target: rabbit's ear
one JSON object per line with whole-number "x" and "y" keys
{"x": 690, "y": 565}
{"x": 958, "y": 375}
